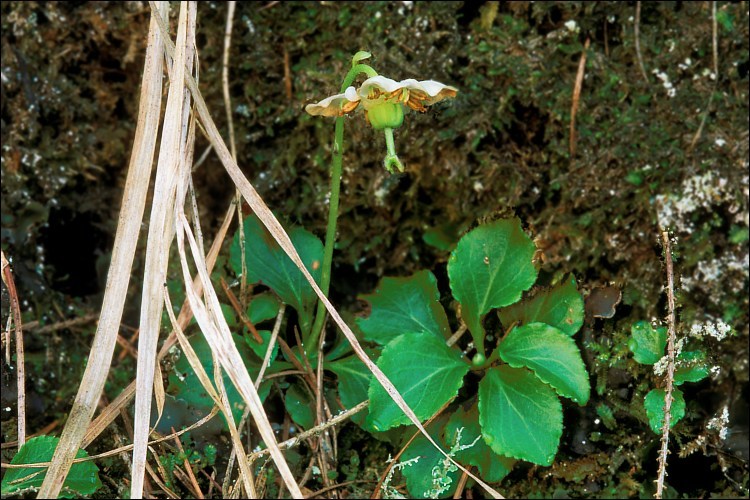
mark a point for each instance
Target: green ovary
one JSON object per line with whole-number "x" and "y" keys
{"x": 386, "y": 115}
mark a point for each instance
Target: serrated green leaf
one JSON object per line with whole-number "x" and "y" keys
{"x": 83, "y": 478}
{"x": 552, "y": 355}
{"x": 492, "y": 467}
{"x": 419, "y": 475}
{"x": 654, "y": 404}
{"x": 491, "y": 267}
{"x": 425, "y": 371}
{"x": 561, "y": 307}
{"x": 521, "y": 416}
{"x": 185, "y": 385}
{"x": 691, "y": 366}
{"x": 402, "y": 305}
{"x": 263, "y": 307}
{"x": 354, "y": 381}
{"x": 647, "y": 343}
{"x": 301, "y": 406}
{"x": 267, "y": 263}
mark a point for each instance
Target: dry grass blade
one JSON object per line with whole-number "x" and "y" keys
{"x": 197, "y": 367}
{"x": 109, "y": 413}
{"x": 131, "y": 215}
{"x": 160, "y": 235}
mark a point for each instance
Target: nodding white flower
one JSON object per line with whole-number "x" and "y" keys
{"x": 383, "y": 100}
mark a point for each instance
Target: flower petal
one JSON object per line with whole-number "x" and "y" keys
{"x": 435, "y": 91}
{"x": 332, "y": 106}
{"x": 383, "y": 84}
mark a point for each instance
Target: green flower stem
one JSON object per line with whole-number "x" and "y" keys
{"x": 391, "y": 159}
{"x": 333, "y": 209}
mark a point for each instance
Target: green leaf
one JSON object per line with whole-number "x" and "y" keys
{"x": 267, "y": 263}
{"x": 260, "y": 349}
{"x": 552, "y": 355}
{"x": 419, "y": 475}
{"x": 492, "y": 467}
{"x": 561, "y": 307}
{"x": 185, "y": 385}
{"x": 300, "y": 406}
{"x": 263, "y": 307}
{"x": 82, "y": 480}
{"x": 521, "y": 416}
{"x": 691, "y": 367}
{"x": 425, "y": 371}
{"x": 354, "y": 381}
{"x": 490, "y": 267}
{"x": 402, "y": 305}
{"x": 647, "y": 342}
{"x": 654, "y": 404}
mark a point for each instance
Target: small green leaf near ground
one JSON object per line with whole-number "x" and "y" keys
{"x": 552, "y": 355}
{"x": 521, "y": 416}
{"x": 82, "y": 480}
{"x": 401, "y": 305}
{"x": 560, "y": 306}
{"x": 426, "y": 372}
{"x": 491, "y": 267}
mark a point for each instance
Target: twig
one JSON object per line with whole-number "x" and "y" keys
{"x": 715, "y": 36}
{"x": 289, "y": 443}
{"x": 664, "y": 451}
{"x": 287, "y": 75}
{"x": 461, "y": 485}
{"x": 318, "y": 493}
{"x": 638, "y": 40}
{"x": 188, "y": 469}
{"x": 238, "y": 309}
{"x": 454, "y": 338}
{"x": 576, "y": 98}
{"x": 61, "y": 325}
{"x": 20, "y": 362}
{"x": 271, "y": 342}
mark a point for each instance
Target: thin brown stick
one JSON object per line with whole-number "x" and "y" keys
{"x": 459, "y": 333}
{"x": 193, "y": 481}
{"x": 576, "y": 98}
{"x": 240, "y": 311}
{"x": 318, "y": 493}
{"x": 290, "y": 443}
{"x": 638, "y": 41}
{"x": 60, "y": 325}
{"x": 664, "y": 451}
{"x": 461, "y": 485}
{"x": 287, "y": 75}
{"x": 20, "y": 363}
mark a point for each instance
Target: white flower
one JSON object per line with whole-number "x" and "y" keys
{"x": 384, "y": 98}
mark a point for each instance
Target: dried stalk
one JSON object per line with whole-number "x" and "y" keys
{"x": 128, "y": 228}
{"x": 637, "y": 28}
{"x": 664, "y": 451}
{"x": 20, "y": 363}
